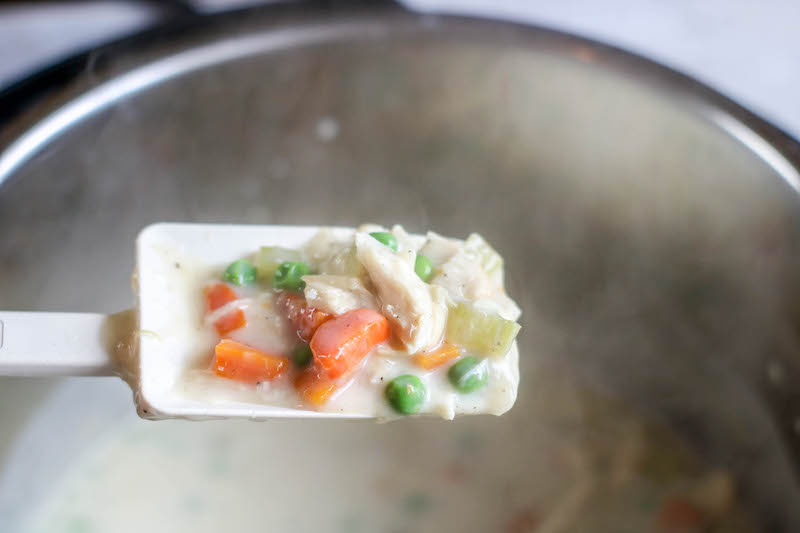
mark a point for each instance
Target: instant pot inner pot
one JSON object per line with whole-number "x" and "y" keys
{"x": 655, "y": 258}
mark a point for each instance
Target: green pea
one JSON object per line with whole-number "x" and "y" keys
{"x": 386, "y": 238}
{"x": 302, "y": 356}
{"x": 240, "y": 273}
{"x": 289, "y": 276}
{"x": 423, "y": 267}
{"x": 406, "y": 394}
{"x": 468, "y": 375}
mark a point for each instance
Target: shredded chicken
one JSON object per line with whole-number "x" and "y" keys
{"x": 465, "y": 280}
{"x": 338, "y": 294}
{"x": 416, "y": 310}
{"x": 333, "y": 252}
{"x": 405, "y": 241}
{"x": 439, "y": 249}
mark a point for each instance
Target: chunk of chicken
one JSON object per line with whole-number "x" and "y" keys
{"x": 338, "y": 294}
{"x": 405, "y": 241}
{"x": 439, "y": 249}
{"x": 465, "y": 278}
{"x": 416, "y": 310}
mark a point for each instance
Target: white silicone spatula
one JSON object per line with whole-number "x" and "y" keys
{"x": 171, "y": 261}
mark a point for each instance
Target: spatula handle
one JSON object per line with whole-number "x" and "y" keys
{"x": 55, "y": 344}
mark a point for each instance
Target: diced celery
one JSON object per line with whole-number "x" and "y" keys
{"x": 480, "y": 332}
{"x": 269, "y": 258}
{"x": 487, "y": 256}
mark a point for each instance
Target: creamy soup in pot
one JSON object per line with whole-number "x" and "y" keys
{"x": 564, "y": 460}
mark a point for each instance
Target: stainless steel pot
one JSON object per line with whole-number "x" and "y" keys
{"x": 651, "y": 227}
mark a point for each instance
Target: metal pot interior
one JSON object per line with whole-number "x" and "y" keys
{"x": 654, "y": 251}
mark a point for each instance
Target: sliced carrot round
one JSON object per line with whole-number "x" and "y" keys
{"x": 342, "y": 342}
{"x": 230, "y": 321}
{"x": 218, "y": 295}
{"x": 304, "y": 319}
{"x": 234, "y": 360}
{"x": 430, "y": 360}
{"x": 314, "y": 387}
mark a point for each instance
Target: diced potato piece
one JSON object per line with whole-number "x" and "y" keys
{"x": 338, "y": 294}
{"x": 417, "y": 311}
{"x": 480, "y": 332}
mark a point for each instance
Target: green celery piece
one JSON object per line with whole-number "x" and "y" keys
{"x": 268, "y": 258}
{"x": 480, "y": 332}
{"x": 487, "y": 256}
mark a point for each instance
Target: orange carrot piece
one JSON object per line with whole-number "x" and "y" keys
{"x": 219, "y": 295}
{"x": 230, "y": 321}
{"x": 314, "y": 387}
{"x": 234, "y": 360}
{"x": 430, "y": 360}
{"x": 304, "y": 319}
{"x": 342, "y": 342}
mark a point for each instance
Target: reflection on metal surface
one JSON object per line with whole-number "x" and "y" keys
{"x": 110, "y": 92}
{"x": 758, "y": 145}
